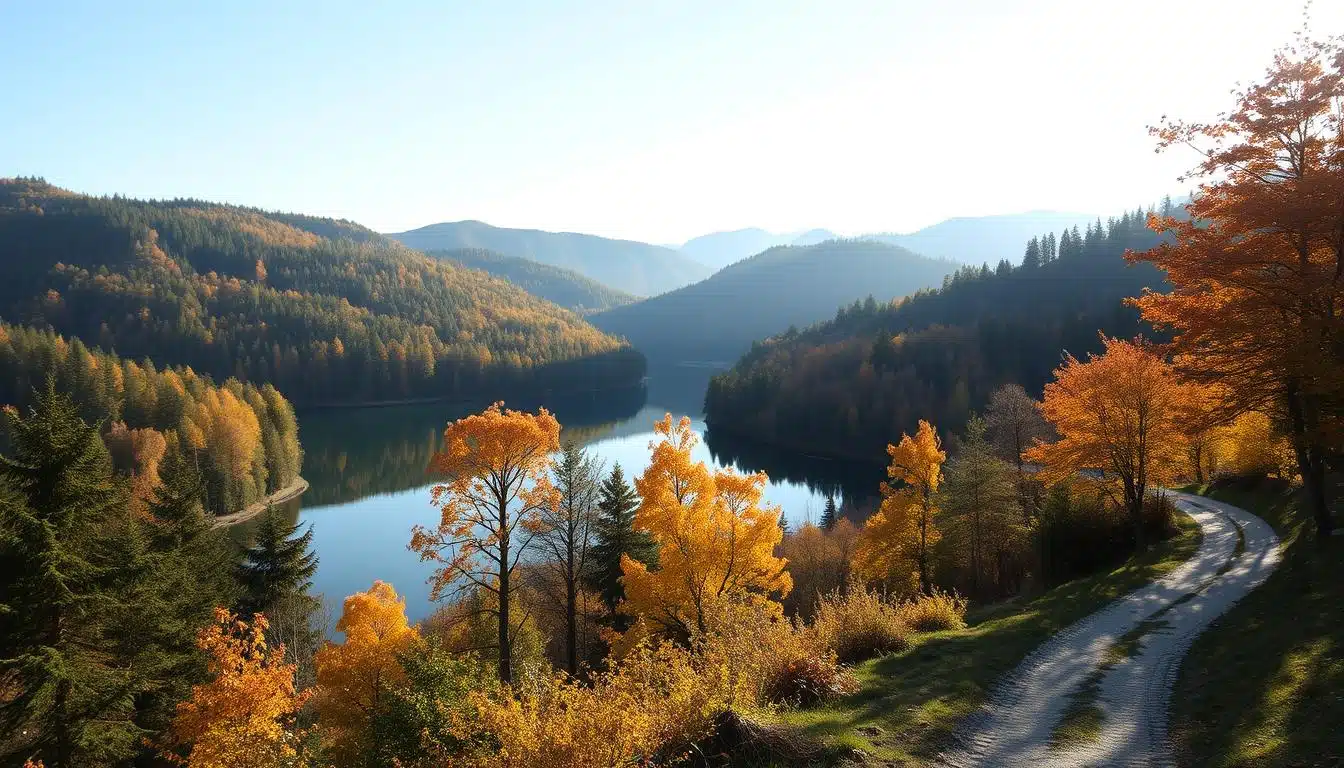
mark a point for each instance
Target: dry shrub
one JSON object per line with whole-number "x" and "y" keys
{"x": 653, "y": 703}
{"x": 765, "y": 659}
{"x": 859, "y": 624}
{"x": 935, "y": 612}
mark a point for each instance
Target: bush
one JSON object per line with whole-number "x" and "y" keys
{"x": 932, "y": 613}
{"x": 811, "y": 679}
{"x": 859, "y": 624}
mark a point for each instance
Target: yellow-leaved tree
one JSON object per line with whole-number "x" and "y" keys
{"x": 715, "y": 538}
{"x": 244, "y": 714}
{"x": 354, "y": 677}
{"x": 492, "y": 500}
{"x": 1121, "y": 413}
{"x": 897, "y": 541}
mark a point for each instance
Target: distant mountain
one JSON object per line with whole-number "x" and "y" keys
{"x": 814, "y": 236}
{"x": 719, "y": 249}
{"x": 985, "y": 239}
{"x": 637, "y": 268}
{"x": 557, "y": 285}
{"x": 718, "y": 318}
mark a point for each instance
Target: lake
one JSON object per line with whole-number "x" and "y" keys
{"x": 366, "y": 468}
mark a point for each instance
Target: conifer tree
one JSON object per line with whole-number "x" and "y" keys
{"x": 829, "y": 515}
{"x": 616, "y": 536}
{"x": 62, "y": 514}
{"x": 277, "y": 566}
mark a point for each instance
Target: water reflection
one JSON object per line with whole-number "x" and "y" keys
{"x": 366, "y": 468}
{"x": 353, "y": 453}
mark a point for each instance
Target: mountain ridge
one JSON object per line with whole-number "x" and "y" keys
{"x": 631, "y": 266}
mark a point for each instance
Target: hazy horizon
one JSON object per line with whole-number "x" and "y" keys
{"x": 656, "y": 125}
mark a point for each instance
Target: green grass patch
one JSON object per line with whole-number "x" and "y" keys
{"x": 1264, "y": 686}
{"x": 910, "y": 702}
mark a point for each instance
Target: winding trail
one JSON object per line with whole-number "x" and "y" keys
{"x": 1236, "y": 555}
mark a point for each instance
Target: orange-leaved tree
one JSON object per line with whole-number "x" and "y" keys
{"x": 1120, "y": 413}
{"x": 244, "y": 715}
{"x": 355, "y": 677}
{"x": 897, "y": 541}
{"x": 715, "y": 538}
{"x": 496, "y": 488}
{"x": 1257, "y": 272}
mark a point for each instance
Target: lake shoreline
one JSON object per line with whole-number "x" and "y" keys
{"x": 289, "y": 492}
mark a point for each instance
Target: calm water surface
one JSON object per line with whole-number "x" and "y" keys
{"x": 366, "y": 468}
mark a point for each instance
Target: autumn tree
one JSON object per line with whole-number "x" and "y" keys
{"x": 715, "y": 539}
{"x": 355, "y": 677}
{"x": 819, "y": 561}
{"x": 617, "y": 537}
{"x": 568, "y": 540}
{"x": 980, "y": 518}
{"x": 245, "y": 714}
{"x": 1013, "y": 423}
{"x": 898, "y": 539}
{"x": 1257, "y": 271}
{"x": 491, "y": 506}
{"x": 1118, "y": 413}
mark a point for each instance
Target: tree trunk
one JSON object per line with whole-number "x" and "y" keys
{"x": 505, "y": 651}
{"x": 571, "y": 620}
{"x": 1309, "y": 462}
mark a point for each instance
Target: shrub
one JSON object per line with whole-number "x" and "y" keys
{"x": 810, "y": 679}
{"x": 859, "y": 624}
{"x": 651, "y": 705}
{"x": 931, "y": 613}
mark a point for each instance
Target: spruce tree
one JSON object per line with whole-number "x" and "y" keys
{"x": 65, "y": 536}
{"x": 616, "y": 536}
{"x": 277, "y": 566}
{"x": 829, "y": 515}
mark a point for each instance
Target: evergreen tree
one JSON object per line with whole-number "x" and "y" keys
{"x": 64, "y": 524}
{"x": 277, "y": 566}
{"x": 1032, "y": 259}
{"x": 829, "y": 517}
{"x": 190, "y": 572}
{"x": 616, "y": 536}
{"x": 783, "y": 523}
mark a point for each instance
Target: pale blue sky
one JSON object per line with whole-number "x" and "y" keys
{"x": 652, "y": 121}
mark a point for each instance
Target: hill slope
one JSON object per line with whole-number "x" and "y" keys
{"x": 718, "y": 318}
{"x": 325, "y": 310}
{"x": 637, "y": 268}
{"x": 851, "y": 385}
{"x": 557, "y": 285}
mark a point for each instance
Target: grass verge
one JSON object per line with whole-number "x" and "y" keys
{"x": 1264, "y": 686}
{"x": 910, "y": 701}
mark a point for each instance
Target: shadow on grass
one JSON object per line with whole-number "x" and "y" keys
{"x": 1262, "y": 686}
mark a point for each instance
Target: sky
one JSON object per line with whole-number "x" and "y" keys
{"x": 647, "y": 121}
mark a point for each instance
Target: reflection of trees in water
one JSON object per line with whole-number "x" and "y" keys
{"x": 353, "y": 453}
{"x": 856, "y": 482}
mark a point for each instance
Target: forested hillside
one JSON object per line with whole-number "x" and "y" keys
{"x": 718, "y": 318}
{"x": 637, "y": 268}
{"x": 557, "y": 285}
{"x": 324, "y": 310}
{"x": 853, "y": 384}
{"x": 243, "y": 439}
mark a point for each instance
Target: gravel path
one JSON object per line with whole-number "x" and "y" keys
{"x": 1238, "y": 552}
